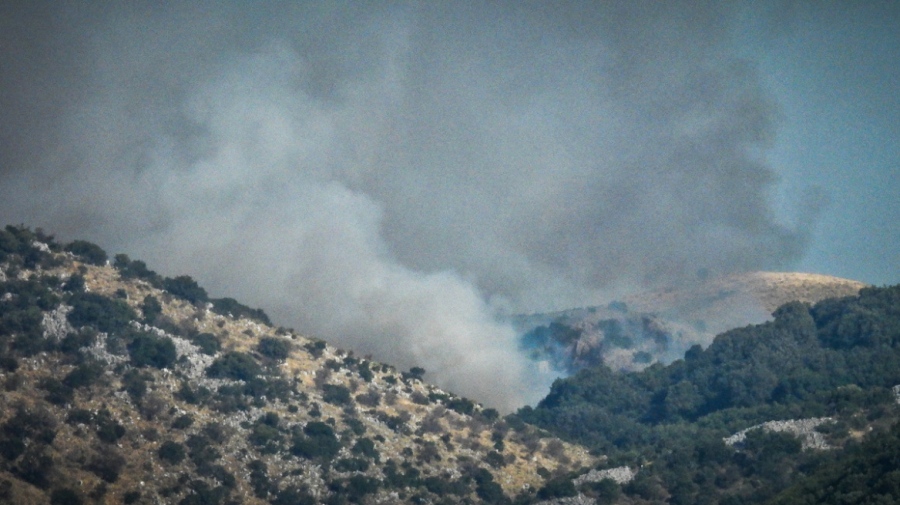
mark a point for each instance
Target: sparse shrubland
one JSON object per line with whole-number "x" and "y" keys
{"x": 121, "y": 386}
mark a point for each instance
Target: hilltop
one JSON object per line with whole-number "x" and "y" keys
{"x": 122, "y": 386}
{"x": 660, "y": 325}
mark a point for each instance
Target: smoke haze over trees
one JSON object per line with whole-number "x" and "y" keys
{"x": 391, "y": 177}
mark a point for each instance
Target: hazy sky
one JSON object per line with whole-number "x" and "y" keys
{"x": 393, "y": 176}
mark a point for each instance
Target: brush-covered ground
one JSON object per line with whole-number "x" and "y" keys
{"x": 120, "y": 386}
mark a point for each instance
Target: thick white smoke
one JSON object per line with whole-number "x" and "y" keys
{"x": 390, "y": 178}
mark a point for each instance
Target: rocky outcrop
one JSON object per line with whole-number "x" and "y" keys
{"x": 804, "y": 429}
{"x": 621, "y": 475}
{"x": 55, "y": 324}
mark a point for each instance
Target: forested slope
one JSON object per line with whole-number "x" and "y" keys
{"x": 836, "y": 360}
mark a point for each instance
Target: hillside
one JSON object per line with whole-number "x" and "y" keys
{"x": 121, "y": 386}
{"x": 800, "y": 409}
{"x": 644, "y": 328}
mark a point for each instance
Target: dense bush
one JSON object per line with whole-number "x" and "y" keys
{"x": 90, "y": 253}
{"x": 134, "y": 382}
{"x": 366, "y": 447}
{"x": 17, "y": 247}
{"x": 234, "y": 365}
{"x": 557, "y": 488}
{"x": 83, "y": 375}
{"x": 185, "y": 287}
{"x": 208, "y": 343}
{"x": 107, "y": 465}
{"x": 462, "y": 405}
{"x": 183, "y": 421}
{"x": 315, "y": 348}
{"x": 274, "y": 347}
{"x": 147, "y": 349}
{"x": 108, "y": 429}
{"x": 316, "y": 441}
{"x": 335, "y": 394}
{"x": 21, "y": 315}
{"x": 151, "y": 308}
{"x": 136, "y": 269}
{"x": 171, "y": 452}
{"x": 100, "y": 312}
{"x": 230, "y": 306}
{"x": 65, "y": 496}
{"x": 351, "y": 465}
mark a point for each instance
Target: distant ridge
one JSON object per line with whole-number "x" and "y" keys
{"x": 728, "y": 301}
{"x": 660, "y": 325}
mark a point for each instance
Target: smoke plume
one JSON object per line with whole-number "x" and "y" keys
{"x": 392, "y": 178}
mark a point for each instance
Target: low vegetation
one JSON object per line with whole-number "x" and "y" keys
{"x": 121, "y": 386}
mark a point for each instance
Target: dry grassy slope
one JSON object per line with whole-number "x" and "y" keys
{"x": 663, "y": 324}
{"x": 741, "y": 299}
{"x": 148, "y": 421}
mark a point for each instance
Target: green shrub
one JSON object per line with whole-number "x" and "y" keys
{"x": 83, "y": 375}
{"x": 90, "y": 253}
{"x": 185, "y": 287}
{"x": 208, "y": 343}
{"x": 108, "y": 429}
{"x": 136, "y": 270}
{"x": 315, "y": 348}
{"x": 358, "y": 486}
{"x": 146, "y": 349}
{"x": 75, "y": 284}
{"x": 265, "y": 433}
{"x": 79, "y": 416}
{"x": 461, "y": 405}
{"x": 485, "y": 487}
{"x": 273, "y": 347}
{"x": 415, "y": 372}
{"x": 171, "y": 452}
{"x": 65, "y": 496}
{"x": 134, "y": 382}
{"x": 366, "y": 447}
{"x": 495, "y": 459}
{"x": 151, "y": 308}
{"x": 71, "y": 343}
{"x": 317, "y": 440}
{"x": 234, "y": 365}
{"x": 560, "y": 487}
{"x": 230, "y": 306}
{"x": 106, "y": 465}
{"x": 57, "y": 392}
{"x": 335, "y": 394}
{"x": 292, "y": 495}
{"x": 183, "y": 421}
{"x": 351, "y": 465}
{"x": 101, "y": 312}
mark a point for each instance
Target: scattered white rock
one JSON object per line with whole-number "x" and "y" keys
{"x": 98, "y": 351}
{"x": 579, "y": 499}
{"x": 55, "y": 324}
{"x": 621, "y": 475}
{"x": 805, "y": 429}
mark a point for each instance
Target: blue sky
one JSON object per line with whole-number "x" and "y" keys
{"x": 835, "y": 72}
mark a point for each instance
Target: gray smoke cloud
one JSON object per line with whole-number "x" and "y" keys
{"x": 393, "y": 177}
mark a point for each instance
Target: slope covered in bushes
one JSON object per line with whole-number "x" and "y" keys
{"x": 121, "y": 386}
{"x": 838, "y": 359}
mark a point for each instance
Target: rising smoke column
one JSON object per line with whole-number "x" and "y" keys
{"x": 390, "y": 178}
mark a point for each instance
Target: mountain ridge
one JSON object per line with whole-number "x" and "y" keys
{"x": 118, "y": 390}
{"x": 660, "y": 325}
